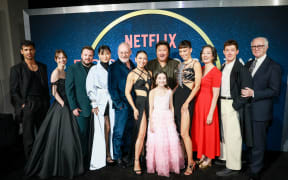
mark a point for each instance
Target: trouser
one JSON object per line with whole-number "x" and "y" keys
{"x": 122, "y": 131}
{"x": 231, "y": 146}
{"x": 33, "y": 115}
{"x": 257, "y": 151}
{"x": 84, "y": 123}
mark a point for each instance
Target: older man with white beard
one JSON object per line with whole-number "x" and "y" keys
{"x": 117, "y": 75}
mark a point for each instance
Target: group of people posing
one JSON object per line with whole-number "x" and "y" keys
{"x": 108, "y": 113}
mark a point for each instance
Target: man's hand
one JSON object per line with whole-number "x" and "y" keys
{"x": 76, "y": 112}
{"x": 247, "y": 92}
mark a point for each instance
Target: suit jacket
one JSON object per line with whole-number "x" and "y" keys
{"x": 75, "y": 86}
{"x": 240, "y": 78}
{"x": 20, "y": 79}
{"x": 266, "y": 86}
{"x": 117, "y": 76}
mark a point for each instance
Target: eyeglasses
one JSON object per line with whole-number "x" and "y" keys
{"x": 258, "y": 47}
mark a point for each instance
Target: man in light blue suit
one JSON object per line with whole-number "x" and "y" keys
{"x": 117, "y": 75}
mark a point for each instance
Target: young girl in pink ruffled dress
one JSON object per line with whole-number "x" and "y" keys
{"x": 164, "y": 153}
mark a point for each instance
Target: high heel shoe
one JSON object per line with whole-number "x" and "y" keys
{"x": 190, "y": 169}
{"x": 137, "y": 172}
{"x": 109, "y": 161}
{"x": 205, "y": 166}
{"x": 199, "y": 162}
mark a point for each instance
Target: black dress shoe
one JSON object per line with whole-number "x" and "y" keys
{"x": 227, "y": 172}
{"x": 121, "y": 163}
{"x": 253, "y": 176}
{"x": 220, "y": 162}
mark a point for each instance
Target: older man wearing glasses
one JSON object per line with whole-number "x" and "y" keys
{"x": 266, "y": 75}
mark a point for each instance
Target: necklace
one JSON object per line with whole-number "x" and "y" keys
{"x": 188, "y": 62}
{"x": 32, "y": 67}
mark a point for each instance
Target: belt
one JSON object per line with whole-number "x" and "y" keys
{"x": 223, "y": 97}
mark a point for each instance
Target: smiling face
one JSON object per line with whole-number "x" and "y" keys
{"x": 104, "y": 56}
{"x": 28, "y": 52}
{"x": 162, "y": 53}
{"x": 124, "y": 52}
{"x": 185, "y": 53}
{"x": 259, "y": 47}
{"x": 141, "y": 60}
{"x": 230, "y": 53}
{"x": 161, "y": 80}
{"x": 87, "y": 56}
{"x": 61, "y": 59}
{"x": 207, "y": 55}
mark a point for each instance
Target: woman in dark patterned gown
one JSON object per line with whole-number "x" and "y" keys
{"x": 189, "y": 80}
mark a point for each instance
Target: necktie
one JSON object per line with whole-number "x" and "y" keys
{"x": 252, "y": 67}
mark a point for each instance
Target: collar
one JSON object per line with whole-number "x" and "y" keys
{"x": 231, "y": 64}
{"x": 261, "y": 59}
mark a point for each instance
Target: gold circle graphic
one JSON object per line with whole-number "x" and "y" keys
{"x": 159, "y": 12}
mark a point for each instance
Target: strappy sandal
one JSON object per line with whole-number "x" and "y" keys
{"x": 190, "y": 169}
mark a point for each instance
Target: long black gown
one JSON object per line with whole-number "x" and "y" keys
{"x": 142, "y": 104}
{"x": 57, "y": 147}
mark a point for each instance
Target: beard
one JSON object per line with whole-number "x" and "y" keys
{"x": 124, "y": 60}
{"x": 86, "y": 64}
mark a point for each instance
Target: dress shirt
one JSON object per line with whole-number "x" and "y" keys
{"x": 225, "y": 83}
{"x": 258, "y": 64}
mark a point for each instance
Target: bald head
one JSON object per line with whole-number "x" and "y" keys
{"x": 124, "y": 52}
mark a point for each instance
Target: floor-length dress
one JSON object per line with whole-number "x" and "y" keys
{"x": 142, "y": 104}
{"x": 97, "y": 91}
{"x": 164, "y": 153}
{"x": 206, "y": 138}
{"x": 57, "y": 147}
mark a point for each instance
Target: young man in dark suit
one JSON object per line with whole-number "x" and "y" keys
{"x": 234, "y": 124}
{"x": 75, "y": 86}
{"x": 29, "y": 93}
{"x": 266, "y": 75}
{"x": 117, "y": 75}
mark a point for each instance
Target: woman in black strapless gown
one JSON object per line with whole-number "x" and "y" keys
{"x": 138, "y": 80}
{"x": 57, "y": 147}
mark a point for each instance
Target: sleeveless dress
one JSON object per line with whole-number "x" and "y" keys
{"x": 164, "y": 152}
{"x": 141, "y": 103}
{"x": 206, "y": 138}
{"x": 57, "y": 147}
{"x": 182, "y": 92}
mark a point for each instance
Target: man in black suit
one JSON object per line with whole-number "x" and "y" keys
{"x": 29, "y": 93}
{"x": 266, "y": 75}
{"x": 235, "y": 127}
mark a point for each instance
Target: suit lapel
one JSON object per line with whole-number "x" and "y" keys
{"x": 82, "y": 69}
{"x": 26, "y": 75}
{"x": 223, "y": 66}
{"x": 233, "y": 75}
{"x": 262, "y": 68}
{"x": 42, "y": 75}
